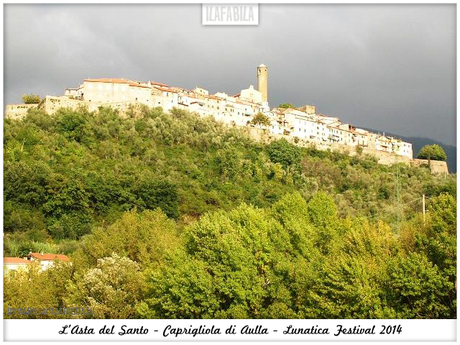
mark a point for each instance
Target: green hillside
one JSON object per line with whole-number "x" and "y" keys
{"x": 197, "y": 220}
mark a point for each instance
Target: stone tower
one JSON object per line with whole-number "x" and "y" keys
{"x": 262, "y": 81}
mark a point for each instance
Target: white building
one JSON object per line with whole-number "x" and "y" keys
{"x": 14, "y": 264}
{"x": 46, "y": 260}
{"x": 402, "y": 148}
{"x": 251, "y": 95}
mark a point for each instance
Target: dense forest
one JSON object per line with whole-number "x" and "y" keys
{"x": 169, "y": 215}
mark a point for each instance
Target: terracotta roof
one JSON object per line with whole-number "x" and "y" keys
{"x": 137, "y": 84}
{"x": 157, "y": 83}
{"x": 10, "y": 260}
{"x": 167, "y": 89}
{"x": 49, "y": 257}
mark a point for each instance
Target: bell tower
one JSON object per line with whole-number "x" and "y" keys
{"x": 262, "y": 81}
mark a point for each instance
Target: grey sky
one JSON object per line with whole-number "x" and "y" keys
{"x": 387, "y": 67}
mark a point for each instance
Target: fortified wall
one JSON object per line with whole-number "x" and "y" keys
{"x": 18, "y": 111}
{"x": 50, "y": 104}
{"x": 384, "y": 158}
{"x": 436, "y": 167}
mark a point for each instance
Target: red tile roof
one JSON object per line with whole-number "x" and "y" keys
{"x": 157, "y": 83}
{"x": 167, "y": 89}
{"x": 214, "y": 97}
{"x": 137, "y": 84}
{"x": 10, "y": 260}
{"x": 49, "y": 257}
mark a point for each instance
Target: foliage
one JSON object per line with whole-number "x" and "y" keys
{"x": 286, "y": 105}
{"x": 142, "y": 237}
{"x": 417, "y": 289}
{"x": 180, "y": 216}
{"x": 281, "y": 151}
{"x": 260, "y": 119}
{"x": 112, "y": 288}
{"x": 231, "y": 266}
{"x": 434, "y": 152}
{"x": 31, "y": 99}
{"x": 33, "y": 288}
{"x": 256, "y": 263}
{"x": 67, "y": 173}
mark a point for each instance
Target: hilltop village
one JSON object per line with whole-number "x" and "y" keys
{"x": 302, "y": 126}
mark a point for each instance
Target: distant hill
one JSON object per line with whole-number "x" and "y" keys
{"x": 418, "y": 143}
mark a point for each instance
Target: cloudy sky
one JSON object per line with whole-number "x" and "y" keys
{"x": 387, "y": 67}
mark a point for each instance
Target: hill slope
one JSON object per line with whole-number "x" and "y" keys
{"x": 176, "y": 216}
{"x": 65, "y": 173}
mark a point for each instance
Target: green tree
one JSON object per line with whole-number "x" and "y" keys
{"x": 324, "y": 216}
{"x": 232, "y": 265}
{"x": 351, "y": 276}
{"x": 73, "y": 124}
{"x": 162, "y": 194}
{"x": 31, "y": 99}
{"x": 283, "y": 152}
{"x": 143, "y": 237}
{"x": 286, "y": 105}
{"x": 33, "y": 288}
{"x": 112, "y": 288}
{"x": 438, "y": 241}
{"x": 260, "y": 119}
{"x": 432, "y": 152}
{"x": 417, "y": 289}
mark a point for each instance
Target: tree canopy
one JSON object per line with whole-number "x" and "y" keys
{"x": 286, "y": 105}
{"x": 432, "y": 152}
{"x": 260, "y": 119}
{"x": 31, "y": 99}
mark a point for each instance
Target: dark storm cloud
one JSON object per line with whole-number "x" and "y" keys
{"x": 388, "y": 67}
